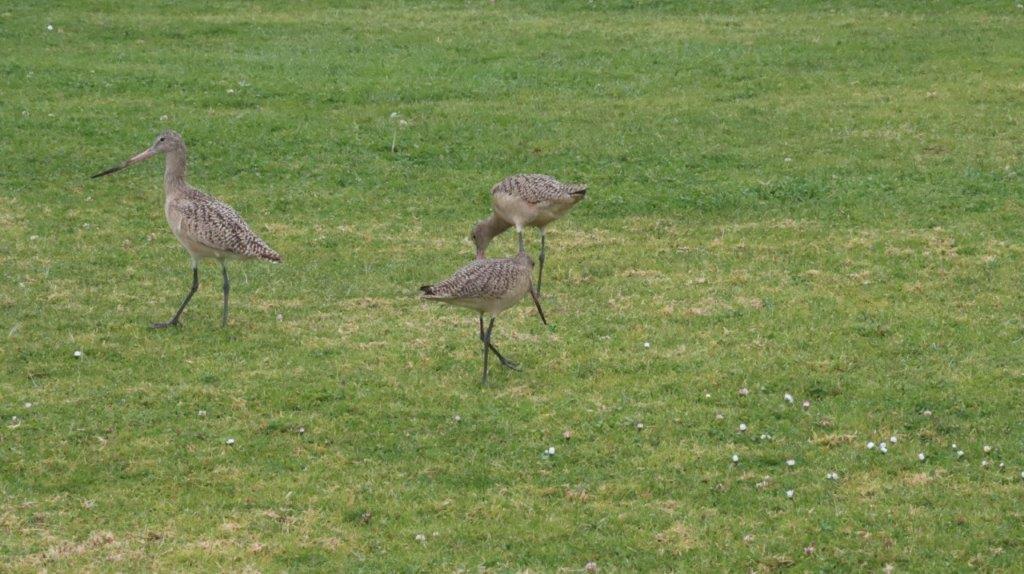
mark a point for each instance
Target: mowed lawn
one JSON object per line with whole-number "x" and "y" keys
{"x": 814, "y": 199}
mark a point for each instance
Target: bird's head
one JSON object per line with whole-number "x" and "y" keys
{"x": 168, "y": 141}
{"x": 481, "y": 236}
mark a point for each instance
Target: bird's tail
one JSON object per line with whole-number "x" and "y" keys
{"x": 261, "y": 250}
{"x": 270, "y": 255}
{"x": 578, "y": 190}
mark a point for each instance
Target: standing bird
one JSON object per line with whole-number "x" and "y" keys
{"x": 205, "y": 227}
{"x": 488, "y": 286}
{"x": 528, "y": 200}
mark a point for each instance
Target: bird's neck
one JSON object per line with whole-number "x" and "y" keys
{"x": 174, "y": 170}
{"x": 487, "y": 230}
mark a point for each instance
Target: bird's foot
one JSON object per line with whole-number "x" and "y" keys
{"x": 165, "y": 325}
{"x": 510, "y": 364}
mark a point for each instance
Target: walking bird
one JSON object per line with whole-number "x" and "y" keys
{"x": 488, "y": 286}
{"x": 526, "y": 200}
{"x": 205, "y": 227}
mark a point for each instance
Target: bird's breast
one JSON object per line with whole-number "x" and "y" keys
{"x": 513, "y": 209}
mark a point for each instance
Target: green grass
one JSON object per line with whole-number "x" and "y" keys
{"x": 816, "y": 198}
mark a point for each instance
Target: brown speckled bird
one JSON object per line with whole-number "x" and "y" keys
{"x": 526, "y": 200}
{"x": 488, "y": 286}
{"x": 206, "y": 227}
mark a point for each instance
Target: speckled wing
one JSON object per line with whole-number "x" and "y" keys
{"x": 486, "y": 278}
{"x": 218, "y": 226}
{"x": 536, "y": 188}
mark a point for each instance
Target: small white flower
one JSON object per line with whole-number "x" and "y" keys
{"x": 959, "y": 453}
{"x": 394, "y": 115}
{"x": 1002, "y": 465}
{"x": 788, "y": 397}
{"x": 457, "y": 418}
{"x": 78, "y": 354}
{"x": 639, "y": 426}
{"x": 883, "y": 448}
{"x": 984, "y": 463}
{"x": 790, "y": 493}
{"x": 707, "y": 395}
{"x": 230, "y": 441}
{"x": 954, "y": 446}
{"x": 788, "y": 159}
{"x": 871, "y": 445}
{"x": 743, "y": 427}
{"x": 550, "y": 451}
{"x": 49, "y": 27}
{"x": 719, "y": 416}
{"x": 927, "y": 413}
{"x": 807, "y": 404}
{"x": 421, "y": 538}
{"x": 280, "y": 317}
{"x": 202, "y": 413}
{"x": 28, "y": 405}
{"x": 832, "y": 476}
{"x": 790, "y": 462}
{"x": 231, "y": 91}
{"x": 987, "y": 449}
{"x": 1022, "y": 474}
{"x": 892, "y": 439}
{"x": 302, "y": 430}
{"x": 735, "y": 458}
{"x": 920, "y": 456}
{"x": 744, "y": 392}
{"x": 647, "y": 345}
{"x": 163, "y": 118}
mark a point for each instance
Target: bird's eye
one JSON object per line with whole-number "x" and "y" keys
{"x": 162, "y": 139}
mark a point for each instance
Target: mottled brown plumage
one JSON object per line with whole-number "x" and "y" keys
{"x": 206, "y": 227}
{"x": 526, "y": 200}
{"x": 488, "y": 286}
{"x": 216, "y": 226}
{"x": 535, "y": 188}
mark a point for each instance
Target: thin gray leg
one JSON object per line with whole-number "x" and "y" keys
{"x": 191, "y": 292}
{"x": 227, "y": 289}
{"x": 504, "y": 362}
{"x": 522, "y": 246}
{"x": 487, "y": 343}
{"x": 540, "y": 274}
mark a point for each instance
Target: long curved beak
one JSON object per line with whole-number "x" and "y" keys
{"x": 536, "y": 301}
{"x": 134, "y": 160}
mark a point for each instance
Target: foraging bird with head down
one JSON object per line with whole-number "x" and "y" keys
{"x": 488, "y": 286}
{"x": 205, "y": 227}
{"x": 526, "y": 200}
